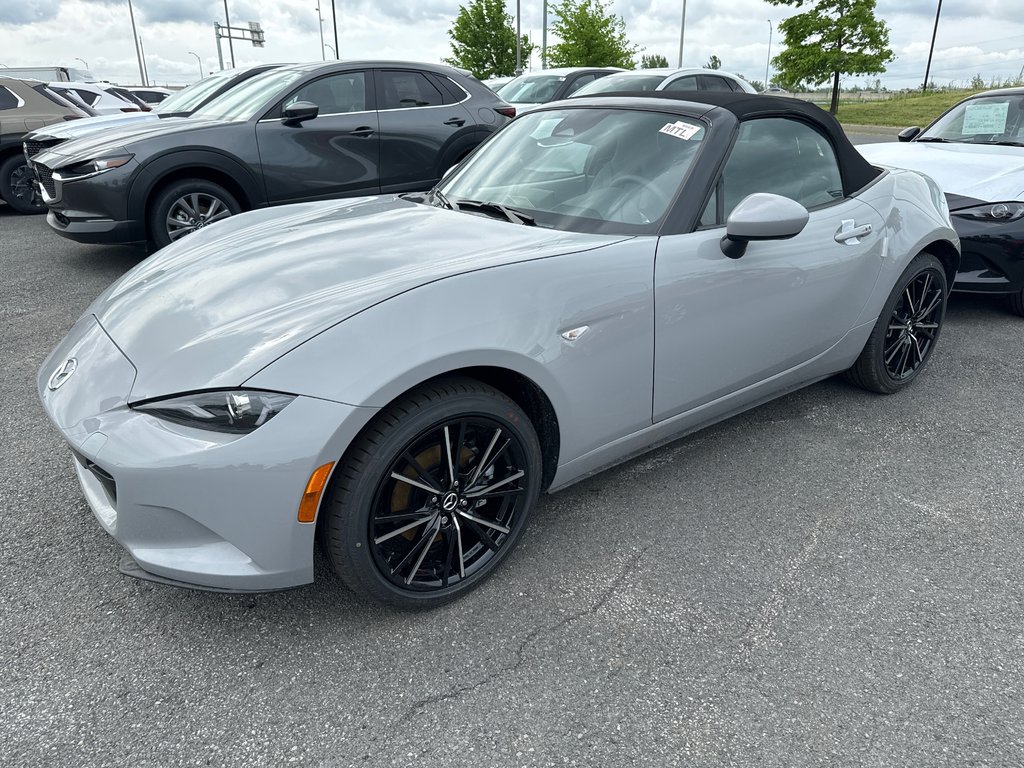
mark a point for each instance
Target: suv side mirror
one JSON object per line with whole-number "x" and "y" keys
{"x": 908, "y": 133}
{"x": 762, "y": 216}
{"x": 299, "y": 112}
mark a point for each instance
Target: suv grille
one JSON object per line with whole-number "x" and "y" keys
{"x": 33, "y": 148}
{"x": 45, "y": 176}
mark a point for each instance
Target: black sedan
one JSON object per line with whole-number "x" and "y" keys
{"x": 300, "y": 132}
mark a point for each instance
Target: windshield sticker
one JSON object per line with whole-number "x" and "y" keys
{"x": 985, "y": 118}
{"x": 680, "y": 130}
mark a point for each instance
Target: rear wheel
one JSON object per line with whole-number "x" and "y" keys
{"x": 907, "y": 329}
{"x": 17, "y": 187}
{"x": 1016, "y": 302}
{"x": 186, "y": 206}
{"x": 433, "y": 496}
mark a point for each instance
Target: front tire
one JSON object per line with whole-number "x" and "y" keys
{"x": 186, "y": 206}
{"x": 433, "y": 496}
{"x": 17, "y": 187}
{"x": 907, "y": 329}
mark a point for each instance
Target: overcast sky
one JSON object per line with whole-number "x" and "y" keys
{"x": 974, "y": 38}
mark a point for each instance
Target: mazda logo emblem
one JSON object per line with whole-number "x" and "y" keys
{"x": 451, "y": 501}
{"x": 62, "y": 374}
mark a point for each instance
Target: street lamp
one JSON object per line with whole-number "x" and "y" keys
{"x": 199, "y": 62}
{"x": 769, "y": 61}
{"x": 320, "y": 23}
{"x": 935, "y": 30}
{"x": 682, "y": 32}
{"x": 83, "y": 61}
{"x": 333, "y": 52}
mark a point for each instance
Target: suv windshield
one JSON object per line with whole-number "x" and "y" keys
{"x": 245, "y": 101}
{"x": 984, "y": 120}
{"x": 532, "y": 89}
{"x": 585, "y": 169}
{"x": 621, "y": 83}
{"x": 188, "y": 99}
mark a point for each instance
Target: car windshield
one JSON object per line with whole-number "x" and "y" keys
{"x": 621, "y": 83}
{"x": 997, "y": 119}
{"x": 245, "y": 101}
{"x": 585, "y": 169}
{"x": 532, "y": 89}
{"x": 188, "y": 99}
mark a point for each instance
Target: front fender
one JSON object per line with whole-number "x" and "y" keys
{"x": 510, "y": 317}
{"x": 159, "y": 167}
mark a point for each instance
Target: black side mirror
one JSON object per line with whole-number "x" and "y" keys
{"x": 299, "y": 112}
{"x": 908, "y": 133}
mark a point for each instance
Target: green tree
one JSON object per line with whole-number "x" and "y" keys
{"x": 829, "y": 39}
{"x": 653, "y": 61}
{"x": 484, "y": 40}
{"x": 590, "y": 35}
{"x": 713, "y": 63}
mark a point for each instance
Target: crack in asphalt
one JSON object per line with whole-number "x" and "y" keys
{"x": 614, "y": 588}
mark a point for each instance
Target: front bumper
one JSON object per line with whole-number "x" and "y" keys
{"x": 93, "y": 209}
{"x": 192, "y": 507}
{"x": 992, "y": 259}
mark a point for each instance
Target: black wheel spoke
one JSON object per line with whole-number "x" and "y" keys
{"x": 448, "y": 503}
{"x": 914, "y": 325}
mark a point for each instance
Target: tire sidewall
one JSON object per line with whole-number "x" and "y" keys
{"x": 7, "y": 169}
{"x": 921, "y": 263}
{"x": 164, "y": 199}
{"x": 349, "y": 510}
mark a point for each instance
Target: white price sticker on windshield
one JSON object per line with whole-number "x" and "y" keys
{"x": 985, "y": 118}
{"x": 680, "y": 130}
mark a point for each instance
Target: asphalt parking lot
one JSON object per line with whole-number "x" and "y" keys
{"x": 831, "y": 579}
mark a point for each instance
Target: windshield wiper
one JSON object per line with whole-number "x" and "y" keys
{"x": 937, "y": 140}
{"x": 510, "y": 214}
{"x": 1006, "y": 143}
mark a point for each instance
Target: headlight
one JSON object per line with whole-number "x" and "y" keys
{"x": 92, "y": 167}
{"x": 994, "y": 212}
{"x": 238, "y": 410}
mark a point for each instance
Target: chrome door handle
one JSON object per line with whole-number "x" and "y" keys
{"x": 850, "y": 233}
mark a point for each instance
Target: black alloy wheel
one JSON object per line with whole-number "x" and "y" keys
{"x": 187, "y": 206}
{"x": 18, "y": 188}
{"x": 907, "y": 329}
{"x": 434, "y": 496}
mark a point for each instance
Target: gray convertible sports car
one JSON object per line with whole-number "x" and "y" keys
{"x": 402, "y": 376}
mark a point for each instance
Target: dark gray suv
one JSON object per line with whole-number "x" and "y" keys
{"x": 300, "y": 132}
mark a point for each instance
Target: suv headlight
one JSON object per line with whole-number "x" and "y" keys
{"x": 994, "y": 212}
{"x": 92, "y": 167}
{"x": 238, "y": 410}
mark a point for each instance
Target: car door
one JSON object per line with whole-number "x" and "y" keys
{"x": 336, "y": 154}
{"x": 418, "y": 130}
{"x": 724, "y": 324}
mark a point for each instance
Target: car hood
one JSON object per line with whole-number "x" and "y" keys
{"x": 981, "y": 171}
{"x": 219, "y": 305}
{"x": 75, "y": 129}
{"x": 118, "y": 138}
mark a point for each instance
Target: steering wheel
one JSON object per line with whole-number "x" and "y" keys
{"x": 629, "y": 181}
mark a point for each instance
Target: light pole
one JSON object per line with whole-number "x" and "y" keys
{"x": 83, "y": 61}
{"x": 544, "y": 39}
{"x": 135, "y": 37}
{"x": 231, "y": 45}
{"x": 682, "y": 33}
{"x": 320, "y": 24}
{"x": 519, "y": 42}
{"x": 928, "y": 69}
{"x": 199, "y": 62}
{"x": 769, "y": 60}
{"x": 334, "y": 53}
{"x": 334, "y": 21}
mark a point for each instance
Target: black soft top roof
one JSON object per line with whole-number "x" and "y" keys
{"x": 856, "y": 171}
